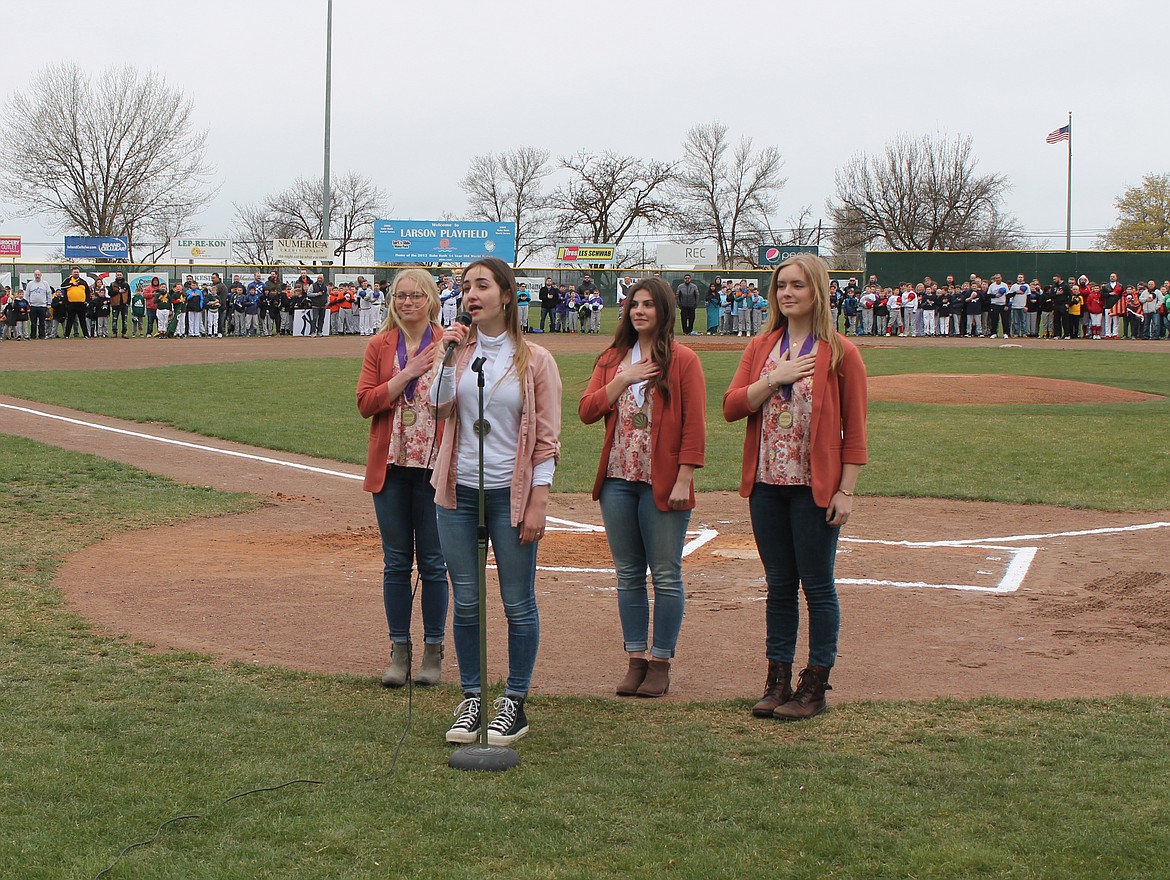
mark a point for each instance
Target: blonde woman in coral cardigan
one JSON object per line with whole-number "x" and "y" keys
{"x": 802, "y": 388}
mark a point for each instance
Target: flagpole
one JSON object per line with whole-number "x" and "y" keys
{"x": 1068, "y": 206}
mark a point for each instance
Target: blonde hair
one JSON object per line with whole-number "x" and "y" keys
{"x": 426, "y": 283}
{"x": 816, "y": 273}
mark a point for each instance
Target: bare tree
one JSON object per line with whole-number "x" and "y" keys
{"x": 118, "y": 155}
{"x": 608, "y": 195}
{"x": 354, "y": 204}
{"x": 507, "y": 187}
{"x": 728, "y": 193}
{"x": 923, "y": 194}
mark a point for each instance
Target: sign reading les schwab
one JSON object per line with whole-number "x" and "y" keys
{"x": 96, "y": 247}
{"x": 443, "y": 241}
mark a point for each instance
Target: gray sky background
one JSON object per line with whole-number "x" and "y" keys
{"x": 420, "y": 88}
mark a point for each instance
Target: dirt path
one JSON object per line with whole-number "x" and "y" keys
{"x": 298, "y": 583}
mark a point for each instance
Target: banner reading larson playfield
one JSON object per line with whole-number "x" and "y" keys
{"x": 443, "y": 241}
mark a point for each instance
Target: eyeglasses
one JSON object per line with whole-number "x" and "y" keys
{"x": 413, "y": 297}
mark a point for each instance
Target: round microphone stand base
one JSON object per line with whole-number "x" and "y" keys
{"x": 481, "y": 757}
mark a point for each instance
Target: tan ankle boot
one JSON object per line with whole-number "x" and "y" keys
{"x": 777, "y": 689}
{"x": 431, "y": 670}
{"x": 657, "y": 680}
{"x": 399, "y": 668}
{"x": 809, "y": 698}
{"x": 635, "y": 675}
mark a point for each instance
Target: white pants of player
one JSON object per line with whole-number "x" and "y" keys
{"x": 164, "y": 318}
{"x": 929, "y": 323}
{"x": 595, "y": 321}
{"x": 194, "y": 323}
{"x": 1112, "y": 325}
{"x": 211, "y": 323}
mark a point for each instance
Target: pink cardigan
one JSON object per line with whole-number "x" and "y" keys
{"x": 839, "y": 407}
{"x": 678, "y": 429}
{"x": 373, "y": 402}
{"x": 540, "y": 428}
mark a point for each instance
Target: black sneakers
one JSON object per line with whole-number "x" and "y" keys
{"x": 509, "y": 724}
{"x": 466, "y": 726}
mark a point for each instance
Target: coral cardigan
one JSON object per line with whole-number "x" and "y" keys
{"x": 373, "y": 402}
{"x": 540, "y": 429}
{"x": 838, "y": 414}
{"x": 678, "y": 428}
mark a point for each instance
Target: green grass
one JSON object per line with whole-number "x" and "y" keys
{"x": 102, "y": 740}
{"x": 1110, "y": 456}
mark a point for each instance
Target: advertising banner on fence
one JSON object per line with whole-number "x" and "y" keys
{"x": 304, "y": 250}
{"x": 774, "y": 255}
{"x": 85, "y": 247}
{"x": 688, "y": 256}
{"x": 586, "y": 253}
{"x": 443, "y": 241}
{"x": 139, "y": 280}
{"x": 9, "y": 245}
{"x": 200, "y": 250}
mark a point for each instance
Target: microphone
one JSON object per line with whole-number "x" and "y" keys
{"x": 465, "y": 320}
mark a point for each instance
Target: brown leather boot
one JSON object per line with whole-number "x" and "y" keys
{"x": 634, "y": 677}
{"x": 777, "y": 689}
{"x": 657, "y": 681}
{"x": 809, "y": 698}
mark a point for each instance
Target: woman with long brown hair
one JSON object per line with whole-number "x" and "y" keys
{"x": 392, "y": 392}
{"x": 520, "y": 428}
{"x": 651, "y": 392}
{"x": 802, "y": 387}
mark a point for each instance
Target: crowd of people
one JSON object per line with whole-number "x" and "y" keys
{"x": 259, "y": 306}
{"x": 1063, "y": 309}
{"x": 476, "y": 407}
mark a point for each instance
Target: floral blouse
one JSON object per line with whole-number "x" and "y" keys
{"x": 629, "y": 457}
{"x": 784, "y": 452}
{"x": 413, "y": 445}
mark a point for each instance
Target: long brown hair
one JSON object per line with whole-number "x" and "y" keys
{"x": 816, "y": 273}
{"x": 662, "y": 349}
{"x": 506, "y": 279}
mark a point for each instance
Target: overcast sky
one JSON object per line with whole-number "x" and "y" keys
{"x": 420, "y": 88}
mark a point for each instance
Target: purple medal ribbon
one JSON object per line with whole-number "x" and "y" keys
{"x": 427, "y": 339}
{"x": 805, "y": 348}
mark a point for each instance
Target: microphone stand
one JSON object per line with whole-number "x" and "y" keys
{"x": 482, "y": 756}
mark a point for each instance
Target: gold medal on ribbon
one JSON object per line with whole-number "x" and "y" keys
{"x": 785, "y": 419}
{"x": 409, "y": 417}
{"x": 641, "y": 421}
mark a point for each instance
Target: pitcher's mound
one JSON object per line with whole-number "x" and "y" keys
{"x": 980, "y": 388}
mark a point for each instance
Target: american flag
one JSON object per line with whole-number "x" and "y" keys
{"x": 1061, "y": 134}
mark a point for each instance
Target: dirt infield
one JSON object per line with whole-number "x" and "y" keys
{"x": 938, "y": 598}
{"x": 297, "y": 583}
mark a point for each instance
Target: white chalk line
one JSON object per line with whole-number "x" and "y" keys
{"x": 139, "y": 435}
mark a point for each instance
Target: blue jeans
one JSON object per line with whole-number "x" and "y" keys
{"x": 405, "y": 509}
{"x": 516, "y": 567}
{"x": 797, "y": 548}
{"x": 641, "y": 535}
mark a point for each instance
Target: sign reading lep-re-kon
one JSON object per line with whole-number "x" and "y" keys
{"x": 443, "y": 241}
{"x": 187, "y": 249}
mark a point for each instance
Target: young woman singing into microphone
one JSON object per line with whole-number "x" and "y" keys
{"x": 520, "y": 428}
{"x": 651, "y": 392}
{"x": 802, "y": 387}
{"x": 392, "y": 392}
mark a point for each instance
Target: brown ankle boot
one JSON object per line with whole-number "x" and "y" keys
{"x": 657, "y": 681}
{"x": 809, "y": 698}
{"x": 777, "y": 689}
{"x": 634, "y": 677}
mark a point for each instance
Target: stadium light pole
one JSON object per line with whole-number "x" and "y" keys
{"x": 328, "y": 99}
